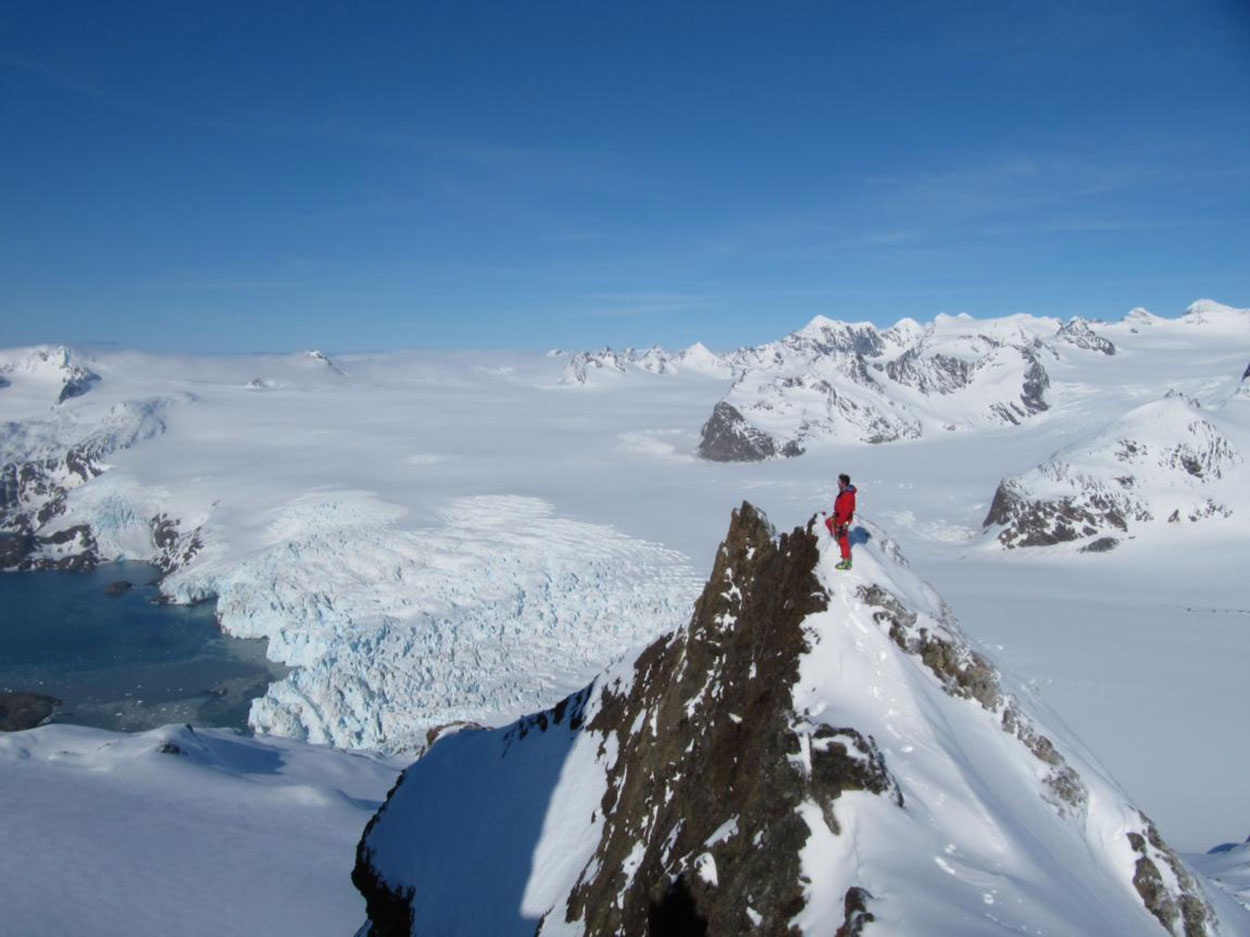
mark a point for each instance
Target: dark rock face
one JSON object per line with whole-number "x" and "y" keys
{"x": 1078, "y": 332}
{"x": 175, "y": 547}
{"x": 1186, "y": 904}
{"x": 1101, "y": 545}
{"x": 389, "y": 908}
{"x": 728, "y": 437}
{"x": 1033, "y": 523}
{"x": 78, "y": 382}
{"x": 34, "y": 491}
{"x": 32, "y": 494}
{"x": 746, "y": 636}
{"x": 1032, "y": 393}
{"x": 934, "y": 374}
{"x": 856, "y": 913}
{"x": 1036, "y": 383}
{"x": 20, "y": 711}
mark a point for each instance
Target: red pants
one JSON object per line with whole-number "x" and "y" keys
{"x": 842, "y": 534}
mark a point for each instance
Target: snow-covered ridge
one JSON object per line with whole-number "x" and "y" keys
{"x": 590, "y": 367}
{"x": 43, "y": 460}
{"x": 42, "y": 376}
{"x": 816, "y": 751}
{"x": 834, "y": 380}
{"x": 853, "y": 381}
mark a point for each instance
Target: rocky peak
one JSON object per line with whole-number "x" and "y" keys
{"x": 823, "y": 336}
{"x": 728, "y": 437}
{"x": 1077, "y": 331}
{"x": 320, "y": 359}
{"x": 788, "y": 763}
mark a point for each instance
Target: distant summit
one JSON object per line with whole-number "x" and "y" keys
{"x": 1167, "y": 462}
{"x": 46, "y": 371}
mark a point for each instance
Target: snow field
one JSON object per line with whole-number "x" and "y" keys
{"x": 105, "y": 834}
{"x": 322, "y": 501}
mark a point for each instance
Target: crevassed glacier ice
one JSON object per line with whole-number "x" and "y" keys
{"x": 501, "y": 608}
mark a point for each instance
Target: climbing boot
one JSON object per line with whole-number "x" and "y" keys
{"x": 845, "y": 564}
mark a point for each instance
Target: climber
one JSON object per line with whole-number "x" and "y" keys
{"x": 839, "y": 523}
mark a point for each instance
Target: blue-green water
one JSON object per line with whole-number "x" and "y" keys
{"x": 124, "y": 661}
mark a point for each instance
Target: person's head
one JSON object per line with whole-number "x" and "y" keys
{"x": 844, "y": 481}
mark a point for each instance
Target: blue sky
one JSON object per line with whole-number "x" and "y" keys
{"x": 270, "y": 176}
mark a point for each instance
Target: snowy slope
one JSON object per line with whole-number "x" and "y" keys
{"x": 1227, "y": 867}
{"x": 37, "y": 379}
{"x": 176, "y": 831}
{"x": 816, "y": 750}
{"x": 330, "y": 496}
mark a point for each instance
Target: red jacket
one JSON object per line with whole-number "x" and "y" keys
{"x": 844, "y": 506}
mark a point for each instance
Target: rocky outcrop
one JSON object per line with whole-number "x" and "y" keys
{"x": 1077, "y": 331}
{"x": 20, "y": 710}
{"x": 320, "y": 359}
{"x": 745, "y": 639}
{"x": 78, "y": 380}
{"x": 1177, "y": 902}
{"x": 1034, "y": 522}
{"x": 174, "y": 547}
{"x": 1243, "y": 389}
{"x": 706, "y": 786}
{"x": 582, "y": 365}
{"x": 727, "y": 437}
{"x": 47, "y": 460}
{"x": 32, "y": 497}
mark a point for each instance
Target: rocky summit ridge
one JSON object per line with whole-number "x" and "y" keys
{"x": 814, "y": 753}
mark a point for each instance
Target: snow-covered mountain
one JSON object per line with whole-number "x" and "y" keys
{"x": 459, "y": 537}
{"x": 43, "y": 458}
{"x": 816, "y": 752}
{"x": 588, "y": 368}
{"x": 853, "y": 381}
{"x": 846, "y": 381}
{"x": 35, "y": 378}
{"x": 1171, "y": 461}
